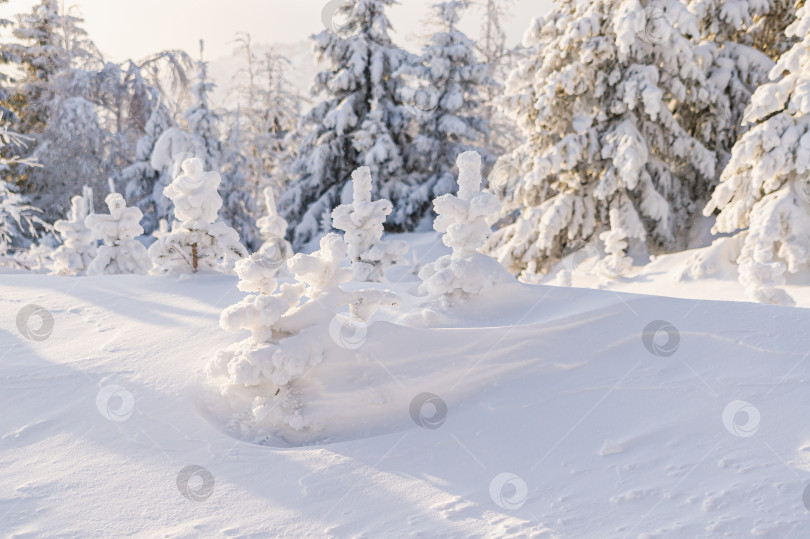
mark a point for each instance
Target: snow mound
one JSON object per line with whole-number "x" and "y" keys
{"x": 491, "y": 425}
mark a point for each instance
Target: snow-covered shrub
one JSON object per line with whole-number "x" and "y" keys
{"x": 120, "y": 252}
{"x": 79, "y": 245}
{"x": 764, "y": 188}
{"x": 615, "y": 263}
{"x": 257, "y": 273}
{"x": 288, "y": 328}
{"x": 465, "y": 221}
{"x": 362, "y": 221}
{"x": 198, "y": 242}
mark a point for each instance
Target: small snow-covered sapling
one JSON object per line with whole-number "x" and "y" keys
{"x": 79, "y": 245}
{"x": 616, "y": 263}
{"x": 259, "y": 371}
{"x": 362, "y": 222}
{"x": 198, "y": 242}
{"x": 464, "y": 221}
{"x": 121, "y": 252}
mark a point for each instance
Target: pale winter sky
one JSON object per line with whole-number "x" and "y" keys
{"x": 136, "y": 28}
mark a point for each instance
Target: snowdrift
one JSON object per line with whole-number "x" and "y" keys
{"x": 540, "y": 411}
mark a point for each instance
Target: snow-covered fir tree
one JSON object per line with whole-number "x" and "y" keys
{"x": 200, "y": 138}
{"x": 202, "y": 120}
{"x": 141, "y": 181}
{"x": 41, "y": 54}
{"x": 464, "y": 220}
{"x": 51, "y": 50}
{"x": 257, "y": 154}
{"x": 445, "y": 106}
{"x": 79, "y": 243}
{"x": 240, "y": 205}
{"x": 735, "y": 65}
{"x": 20, "y": 223}
{"x": 499, "y": 59}
{"x": 360, "y": 122}
{"x": 603, "y": 148}
{"x": 765, "y": 188}
{"x": 205, "y": 123}
{"x": 280, "y": 119}
{"x": 74, "y": 144}
{"x": 120, "y": 252}
{"x": 289, "y": 327}
{"x": 197, "y": 242}
{"x": 757, "y": 24}
{"x": 362, "y": 224}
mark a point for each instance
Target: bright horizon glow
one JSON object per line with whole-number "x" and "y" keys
{"x": 134, "y": 29}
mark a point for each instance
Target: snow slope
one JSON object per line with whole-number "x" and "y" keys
{"x": 613, "y": 434}
{"x": 674, "y": 275}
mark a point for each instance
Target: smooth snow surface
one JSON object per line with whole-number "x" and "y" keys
{"x": 544, "y": 411}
